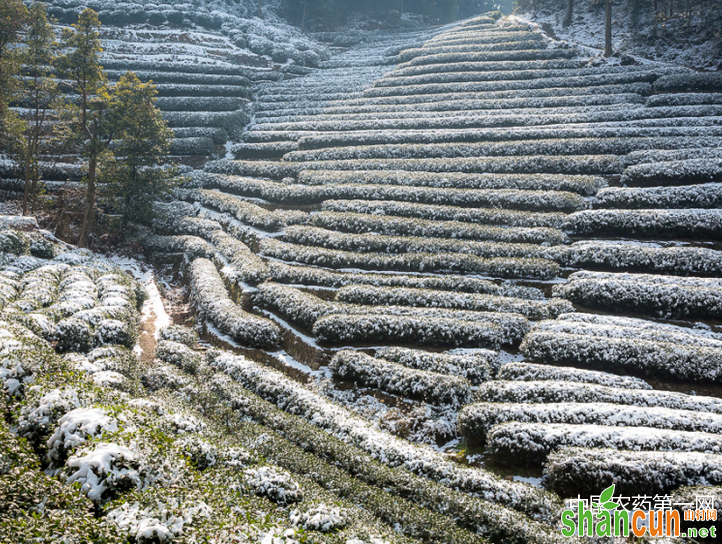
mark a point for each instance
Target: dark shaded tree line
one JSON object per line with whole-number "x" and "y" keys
{"x": 675, "y": 16}
{"x": 329, "y": 14}
{"x": 70, "y": 106}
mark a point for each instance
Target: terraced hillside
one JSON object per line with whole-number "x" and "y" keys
{"x": 546, "y": 229}
{"x": 434, "y": 253}
{"x": 206, "y": 64}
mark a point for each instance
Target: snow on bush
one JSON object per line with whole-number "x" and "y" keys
{"x": 680, "y": 172}
{"x": 583, "y": 185}
{"x": 293, "y": 397}
{"x": 395, "y": 378}
{"x": 263, "y": 150}
{"x": 307, "y": 309}
{"x": 385, "y": 244}
{"x": 210, "y": 296}
{"x": 637, "y": 87}
{"x": 245, "y": 212}
{"x": 532, "y": 309}
{"x": 480, "y": 56}
{"x": 163, "y": 377}
{"x": 633, "y": 256}
{"x": 670, "y": 296}
{"x": 647, "y": 356}
{"x": 688, "y": 223}
{"x": 113, "y": 331}
{"x": 75, "y": 428}
{"x": 666, "y": 155}
{"x": 689, "y": 81}
{"x": 274, "y": 483}
{"x": 512, "y": 218}
{"x": 532, "y": 442}
{"x": 304, "y": 275}
{"x": 414, "y": 262}
{"x": 180, "y": 334}
{"x": 322, "y": 518}
{"x": 531, "y": 372}
{"x": 161, "y": 522}
{"x": 167, "y": 215}
{"x": 103, "y": 469}
{"x": 193, "y": 146}
{"x": 40, "y": 415}
{"x": 262, "y": 169}
{"x": 300, "y": 194}
{"x": 427, "y": 331}
{"x": 73, "y": 335}
{"x": 542, "y": 146}
{"x": 684, "y": 99}
{"x": 201, "y": 453}
{"x": 477, "y": 366}
{"x": 582, "y": 471}
{"x": 475, "y": 420}
{"x": 560, "y": 83}
{"x": 565, "y": 391}
{"x": 708, "y": 195}
{"x": 244, "y": 265}
{"x": 634, "y": 328}
{"x": 179, "y": 355}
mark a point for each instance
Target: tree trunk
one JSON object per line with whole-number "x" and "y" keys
{"x": 608, "y": 29}
{"x": 89, "y": 204}
{"x": 569, "y": 14}
{"x": 303, "y": 17}
{"x": 26, "y": 193}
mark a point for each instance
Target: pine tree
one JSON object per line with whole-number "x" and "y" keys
{"x": 88, "y": 122}
{"x": 143, "y": 142}
{"x": 39, "y": 92}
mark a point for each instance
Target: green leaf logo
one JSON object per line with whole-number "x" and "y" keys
{"x": 605, "y": 499}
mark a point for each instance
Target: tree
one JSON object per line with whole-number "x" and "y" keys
{"x": 13, "y": 18}
{"x": 88, "y": 121}
{"x": 40, "y": 92}
{"x": 569, "y": 14}
{"x": 608, "y": 29}
{"x": 143, "y": 142}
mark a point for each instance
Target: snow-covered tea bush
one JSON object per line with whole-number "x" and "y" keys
{"x": 73, "y": 335}
{"x": 671, "y": 296}
{"x": 584, "y": 185}
{"x": 572, "y": 471}
{"x": 532, "y": 309}
{"x": 396, "y": 378}
{"x": 426, "y": 331}
{"x": 178, "y": 354}
{"x": 512, "y": 218}
{"x": 532, "y": 442}
{"x": 679, "y": 172}
{"x": 708, "y": 195}
{"x": 505, "y": 267}
{"x": 313, "y": 236}
{"x": 276, "y": 484}
{"x": 321, "y": 518}
{"x": 564, "y": 391}
{"x": 475, "y": 420}
{"x": 665, "y": 224}
{"x": 476, "y": 366}
{"x": 213, "y": 302}
{"x": 531, "y": 372}
{"x": 180, "y": 334}
{"x": 635, "y": 256}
